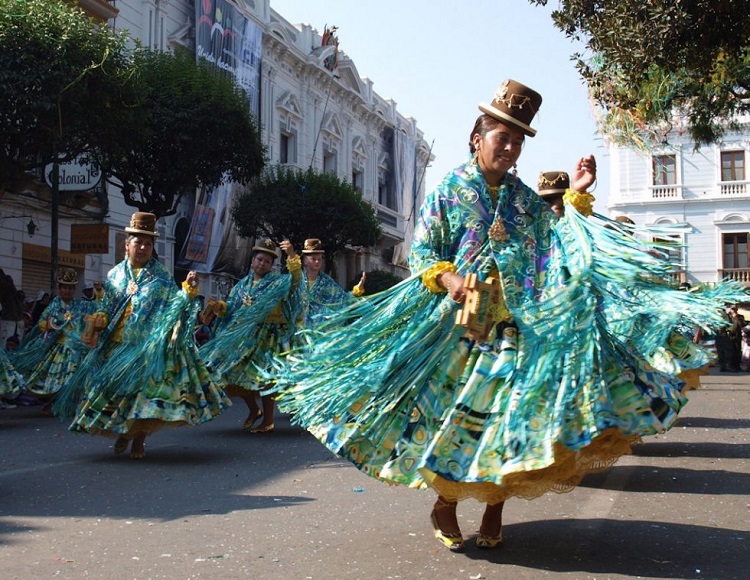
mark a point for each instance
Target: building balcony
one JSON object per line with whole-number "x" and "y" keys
{"x": 666, "y": 192}
{"x": 732, "y": 188}
{"x": 391, "y": 223}
{"x": 99, "y": 10}
{"x": 739, "y": 274}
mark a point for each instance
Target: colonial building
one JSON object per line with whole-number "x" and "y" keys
{"x": 314, "y": 108}
{"x": 704, "y": 193}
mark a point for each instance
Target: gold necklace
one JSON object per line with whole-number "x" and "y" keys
{"x": 493, "y": 189}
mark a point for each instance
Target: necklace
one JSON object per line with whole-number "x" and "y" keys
{"x": 493, "y": 189}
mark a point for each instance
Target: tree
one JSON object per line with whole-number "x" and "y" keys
{"x": 58, "y": 70}
{"x": 181, "y": 124}
{"x": 649, "y": 62}
{"x": 290, "y": 203}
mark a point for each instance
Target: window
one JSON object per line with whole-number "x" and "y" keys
{"x": 733, "y": 166}
{"x": 665, "y": 170}
{"x": 330, "y": 162}
{"x": 385, "y": 195}
{"x": 735, "y": 250}
{"x": 357, "y": 179}
{"x": 287, "y": 147}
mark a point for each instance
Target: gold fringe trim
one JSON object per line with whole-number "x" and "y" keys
{"x": 692, "y": 378}
{"x": 567, "y": 471}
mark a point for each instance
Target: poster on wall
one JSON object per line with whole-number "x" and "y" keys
{"x": 227, "y": 39}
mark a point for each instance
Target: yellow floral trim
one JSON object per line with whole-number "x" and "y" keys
{"x": 192, "y": 291}
{"x": 430, "y": 276}
{"x": 294, "y": 263}
{"x": 358, "y": 291}
{"x": 583, "y": 201}
{"x": 220, "y": 309}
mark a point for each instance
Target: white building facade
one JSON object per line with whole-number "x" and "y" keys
{"x": 310, "y": 115}
{"x": 704, "y": 190}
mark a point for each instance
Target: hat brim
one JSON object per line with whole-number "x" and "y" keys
{"x": 313, "y": 251}
{"x": 68, "y": 283}
{"x": 504, "y": 117}
{"x": 551, "y": 192}
{"x": 130, "y": 230}
{"x": 265, "y": 251}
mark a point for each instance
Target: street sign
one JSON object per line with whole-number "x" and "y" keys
{"x": 74, "y": 175}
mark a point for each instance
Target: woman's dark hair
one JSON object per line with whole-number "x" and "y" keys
{"x": 483, "y": 125}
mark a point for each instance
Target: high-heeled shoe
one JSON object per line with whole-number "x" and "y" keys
{"x": 252, "y": 420}
{"x": 454, "y": 542}
{"x": 489, "y": 542}
{"x": 492, "y": 519}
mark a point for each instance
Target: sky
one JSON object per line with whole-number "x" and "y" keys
{"x": 437, "y": 59}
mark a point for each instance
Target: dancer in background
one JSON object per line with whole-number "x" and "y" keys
{"x": 49, "y": 355}
{"x": 144, "y": 372}
{"x": 256, "y": 323}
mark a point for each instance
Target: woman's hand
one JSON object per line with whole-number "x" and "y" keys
{"x": 192, "y": 279}
{"x": 584, "y": 174}
{"x": 288, "y": 248}
{"x": 361, "y": 283}
{"x": 454, "y": 284}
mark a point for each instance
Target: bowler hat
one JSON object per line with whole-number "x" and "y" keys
{"x": 267, "y": 246}
{"x": 514, "y": 103}
{"x": 553, "y": 183}
{"x": 313, "y": 246}
{"x": 142, "y": 223}
{"x": 67, "y": 276}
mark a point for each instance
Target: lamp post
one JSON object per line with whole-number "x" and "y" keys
{"x": 55, "y": 219}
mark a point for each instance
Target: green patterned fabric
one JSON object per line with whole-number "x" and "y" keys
{"x": 323, "y": 297}
{"x": 393, "y": 385}
{"x": 48, "y": 359}
{"x": 11, "y": 382}
{"x": 246, "y": 339}
{"x": 151, "y": 370}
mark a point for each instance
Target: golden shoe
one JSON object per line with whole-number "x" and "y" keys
{"x": 489, "y": 542}
{"x": 454, "y": 542}
{"x": 263, "y": 429}
{"x": 248, "y": 424}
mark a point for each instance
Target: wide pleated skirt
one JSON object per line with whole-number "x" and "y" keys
{"x": 243, "y": 366}
{"x": 11, "y": 383}
{"x": 476, "y": 432}
{"x": 184, "y": 396}
{"x": 53, "y": 371}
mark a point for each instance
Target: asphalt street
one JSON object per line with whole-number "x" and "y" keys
{"x": 216, "y": 502}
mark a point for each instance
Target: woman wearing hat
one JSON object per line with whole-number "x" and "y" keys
{"x": 323, "y": 295}
{"x": 144, "y": 372}
{"x": 51, "y": 353}
{"x": 256, "y": 322}
{"x": 538, "y": 399}
{"x": 551, "y": 187}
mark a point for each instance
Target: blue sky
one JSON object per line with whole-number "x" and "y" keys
{"x": 438, "y": 59}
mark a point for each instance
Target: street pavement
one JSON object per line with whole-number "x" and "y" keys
{"x": 216, "y": 502}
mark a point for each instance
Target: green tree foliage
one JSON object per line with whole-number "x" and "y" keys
{"x": 289, "y": 203}
{"x": 58, "y": 70}
{"x": 181, "y": 125}
{"x": 649, "y": 60}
